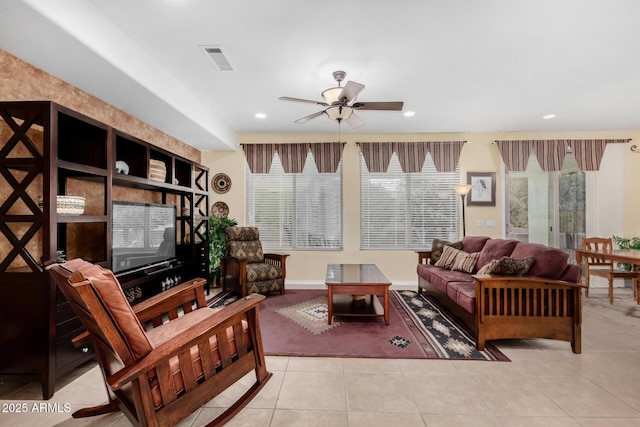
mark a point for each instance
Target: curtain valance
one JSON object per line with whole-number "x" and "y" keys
{"x": 326, "y": 155}
{"x": 445, "y": 155}
{"x": 550, "y": 152}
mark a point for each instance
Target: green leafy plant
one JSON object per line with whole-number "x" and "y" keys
{"x": 632, "y": 243}
{"x": 623, "y": 243}
{"x": 218, "y": 243}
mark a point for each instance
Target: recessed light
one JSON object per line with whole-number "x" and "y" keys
{"x": 549, "y": 116}
{"x": 409, "y": 113}
{"x": 260, "y": 115}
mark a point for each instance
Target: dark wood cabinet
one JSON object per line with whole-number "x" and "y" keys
{"x": 47, "y": 151}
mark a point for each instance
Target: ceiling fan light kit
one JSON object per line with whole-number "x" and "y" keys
{"x": 339, "y": 113}
{"x": 341, "y": 105}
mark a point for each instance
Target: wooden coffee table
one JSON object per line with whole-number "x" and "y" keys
{"x": 346, "y": 281}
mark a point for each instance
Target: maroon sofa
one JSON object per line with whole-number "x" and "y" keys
{"x": 545, "y": 302}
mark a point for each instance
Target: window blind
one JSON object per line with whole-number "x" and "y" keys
{"x": 296, "y": 210}
{"x": 407, "y": 210}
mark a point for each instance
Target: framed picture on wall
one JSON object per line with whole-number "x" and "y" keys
{"x": 483, "y": 188}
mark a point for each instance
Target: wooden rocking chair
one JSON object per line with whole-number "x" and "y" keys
{"x": 169, "y": 355}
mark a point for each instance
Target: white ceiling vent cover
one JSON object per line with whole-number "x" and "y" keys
{"x": 219, "y": 58}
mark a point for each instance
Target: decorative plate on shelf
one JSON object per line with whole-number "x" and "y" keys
{"x": 220, "y": 209}
{"x": 221, "y": 183}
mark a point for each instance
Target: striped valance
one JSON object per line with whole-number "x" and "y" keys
{"x": 326, "y": 155}
{"x": 445, "y": 155}
{"x": 550, "y": 152}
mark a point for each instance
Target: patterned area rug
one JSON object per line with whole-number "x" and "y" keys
{"x": 295, "y": 324}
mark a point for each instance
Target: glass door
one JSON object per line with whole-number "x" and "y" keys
{"x": 547, "y": 207}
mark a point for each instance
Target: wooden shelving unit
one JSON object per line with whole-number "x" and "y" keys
{"x": 48, "y": 150}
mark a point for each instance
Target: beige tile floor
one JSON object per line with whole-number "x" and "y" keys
{"x": 545, "y": 384}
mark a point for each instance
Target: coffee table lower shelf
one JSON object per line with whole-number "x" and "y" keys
{"x": 345, "y": 305}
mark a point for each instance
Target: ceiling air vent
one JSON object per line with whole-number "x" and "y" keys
{"x": 217, "y": 55}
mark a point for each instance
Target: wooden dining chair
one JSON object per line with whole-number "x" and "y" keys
{"x": 166, "y": 357}
{"x": 596, "y": 266}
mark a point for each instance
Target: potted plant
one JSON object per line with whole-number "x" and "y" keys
{"x": 218, "y": 245}
{"x": 632, "y": 243}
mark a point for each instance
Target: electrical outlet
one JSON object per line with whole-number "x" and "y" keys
{"x": 479, "y": 223}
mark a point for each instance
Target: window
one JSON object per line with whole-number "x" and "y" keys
{"x": 407, "y": 210}
{"x": 296, "y": 210}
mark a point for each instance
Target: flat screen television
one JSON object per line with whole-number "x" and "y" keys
{"x": 144, "y": 234}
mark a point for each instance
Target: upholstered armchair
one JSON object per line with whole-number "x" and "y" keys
{"x": 247, "y": 269}
{"x": 167, "y": 356}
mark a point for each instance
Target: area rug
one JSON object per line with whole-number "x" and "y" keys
{"x": 295, "y": 324}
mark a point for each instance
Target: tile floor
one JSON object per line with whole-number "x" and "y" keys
{"x": 545, "y": 384}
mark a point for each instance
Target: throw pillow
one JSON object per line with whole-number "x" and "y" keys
{"x": 507, "y": 266}
{"x": 487, "y": 267}
{"x": 438, "y": 246}
{"x": 448, "y": 257}
{"x": 465, "y": 261}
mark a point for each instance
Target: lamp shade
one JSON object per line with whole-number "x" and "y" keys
{"x": 462, "y": 189}
{"x": 332, "y": 96}
{"x": 339, "y": 113}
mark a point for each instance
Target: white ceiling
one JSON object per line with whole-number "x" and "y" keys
{"x": 461, "y": 65}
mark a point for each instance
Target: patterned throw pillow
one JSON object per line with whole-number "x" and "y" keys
{"x": 465, "y": 261}
{"x": 448, "y": 257}
{"x": 487, "y": 267}
{"x": 506, "y": 266}
{"x": 438, "y": 246}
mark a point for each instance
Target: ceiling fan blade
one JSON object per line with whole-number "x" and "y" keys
{"x": 309, "y": 117}
{"x": 307, "y": 101}
{"x": 381, "y": 106}
{"x": 350, "y": 91}
{"x": 354, "y": 121}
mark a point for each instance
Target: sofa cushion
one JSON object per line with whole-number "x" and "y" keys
{"x": 440, "y": 278}
{"x": 571, "y": 273}
{"x": 437, "y": 247}
{"x": 165, "y": 332}
{"x": 464, "y": 294}
{"x": 507, "y": 266}
{"x": 424, "y": 271}
{"x": 495, "y": 249}
{"x": 473, "y": 243}
{"x": 465, "y": 261}
{"x": 550, "y": 262}
{"x": 447, "y": 258}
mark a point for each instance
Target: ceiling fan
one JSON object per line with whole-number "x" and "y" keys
{"x": 341, "y": 103}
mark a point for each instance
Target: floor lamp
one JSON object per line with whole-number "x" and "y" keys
{"x": 463, "y": 190}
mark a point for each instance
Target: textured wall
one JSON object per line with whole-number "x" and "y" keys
{"x": 21, "y": 81}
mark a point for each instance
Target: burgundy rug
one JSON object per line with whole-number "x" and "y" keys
{"x": 295, "y": 324}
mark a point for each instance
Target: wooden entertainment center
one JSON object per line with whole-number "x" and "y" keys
{"x": 48, "y": 150}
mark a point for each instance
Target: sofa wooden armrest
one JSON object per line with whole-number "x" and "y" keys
{"x": 424, "y": 257}
{"x": 528, "y": 307}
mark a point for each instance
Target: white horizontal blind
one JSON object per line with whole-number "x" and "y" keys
{"x": 296, "y": 210}
{"x": 407, "y": 210}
